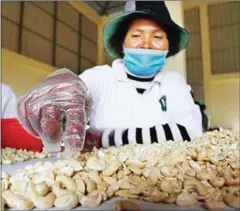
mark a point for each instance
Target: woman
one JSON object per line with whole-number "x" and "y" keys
{"x": 135, "y": 100}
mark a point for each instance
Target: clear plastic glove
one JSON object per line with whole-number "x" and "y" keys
{"x": 57, "y": 109}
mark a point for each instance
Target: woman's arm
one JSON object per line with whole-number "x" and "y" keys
{"x": 148, "y": 135}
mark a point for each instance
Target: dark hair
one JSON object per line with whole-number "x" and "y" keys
{"x": 117, "y": 40}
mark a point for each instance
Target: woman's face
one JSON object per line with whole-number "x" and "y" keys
{"x": 144, "y": 33}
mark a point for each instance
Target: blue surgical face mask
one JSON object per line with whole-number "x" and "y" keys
{"x": 144, "y": 62}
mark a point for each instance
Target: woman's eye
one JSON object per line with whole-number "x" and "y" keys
{"x": 158, "y": 37}
{"x": 135, "y": 35}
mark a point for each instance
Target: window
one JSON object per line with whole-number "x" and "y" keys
{"x": 224, "y": 24}
{"x": 51, "y": 32}
{"x": 194, "y": 53}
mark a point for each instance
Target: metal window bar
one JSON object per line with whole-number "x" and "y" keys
{"x": 20, "y": 26}
{"x": 64, "y": 22}
{"x": 79, "y": 43}
{"x": 65, "y": 48}
{"x": 54, "y": 34}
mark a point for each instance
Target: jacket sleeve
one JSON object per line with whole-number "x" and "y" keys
{"x": 8, "y": 102}
{"x": 185, "y": 121}
{"x": 181, "y": 107}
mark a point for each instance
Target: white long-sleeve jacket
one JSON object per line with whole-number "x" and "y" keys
{"x": 164, "y": 111}
{"x": 8, "y": 102}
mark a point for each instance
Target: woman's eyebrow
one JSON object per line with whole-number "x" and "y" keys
{"x": 138, "y": 30}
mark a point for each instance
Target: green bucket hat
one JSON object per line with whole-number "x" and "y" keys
{"x": 154, "y": 9}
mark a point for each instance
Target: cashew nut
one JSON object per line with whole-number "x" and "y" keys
{"x": 94, "y": 164}
{"x": 112, "y": 189}
{"x": 200, "y": 188}
{"x": 227, "y": 172}
{"x": 112, "y": 168}
{"x": 135, "y": 190}
{"x": 75, "y": 165}
{"x": 136, "y": 163}
{"x": 191, "y": 172}
{"x": 96, "y": 192}
{"x": 5, "y": 185}
{"x": 5, "y": 175}
{"x": 67, "y": 202}
{"x": 147, "y": 191}
{"x": 170, "y": 199}
{"x": 59, "y": 191}
{"x": 102, "y": 186}
{"x": 203, "y": 175}
{"x": 80, "y": 175}
{"x": 41, "y": 202}
{"x": 171, "y": 187}
{"x": 232, "y": 198}
{"x": 68, "y": 182}
{"x": 68, "y": 171}
{"x": 168, "y": 171}
{"x": 217, "y": 182}
{"x": 42, "y": 189}
{"x": 15, "y": 201}
{"x": 125, "y": 184}
{"x": 91, "y": 186}
{"x": 186, "y": 199}
{"x": 91, "y": 201}
{"x": 215, "y": 201}
{"x": 93, "y": 175}
{"x": 156, "y": 196}
{"x": 109, "y": 180}
{"x": 80, "y": 189}
{"x": 135, "y": 170}
{"x": 215, "y": 205}
{"x": 3, "y": 204}
{"x": 202, "y": 154}
{"x": 126, "y": 194}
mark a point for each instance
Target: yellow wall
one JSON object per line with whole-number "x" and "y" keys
{"x": 22, "y": 73}
{"x": 225, "y": 102}
{"x": 221, "y": 92}
{"x": 178, "y": 62}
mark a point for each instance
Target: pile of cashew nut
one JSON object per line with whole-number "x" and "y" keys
{"x": 182, "y": 173}
{"x": 12, "y": 155}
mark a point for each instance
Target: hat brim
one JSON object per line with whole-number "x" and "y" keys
{"x": 112, "y": 25}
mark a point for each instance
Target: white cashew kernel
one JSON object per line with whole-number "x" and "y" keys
{"x": 42, "y": 189}
{"x": 41, "y": 202}
{"x": 5, "y": 175}
{"x": 126, "y": 194}
{"x": 91, "y": 186}
{"x": 68, "y": 182}
{"x": 93, "y": 175}
{"x": 80, "y": 189}
{"x": 91, "y": 201}
{"x": 112, "y": 168}
{"x": 15, "y": 201}
{"x": 109, "y": 180}
{"x": 186, "y": 199}
{"x": 67, "y": 202}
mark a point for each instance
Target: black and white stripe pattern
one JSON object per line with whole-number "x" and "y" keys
{"x": 141, "y": 84}
{"x": 156, "y": 134}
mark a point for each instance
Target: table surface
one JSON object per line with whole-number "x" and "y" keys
{"x": 107, "y": 205}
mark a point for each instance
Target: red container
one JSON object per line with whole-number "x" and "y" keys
{"x": 15, "y": 136}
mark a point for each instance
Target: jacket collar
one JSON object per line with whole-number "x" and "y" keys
{"x": 120, "y": 73}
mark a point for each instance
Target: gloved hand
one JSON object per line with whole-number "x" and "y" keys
{"x": 61, "y": 97}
